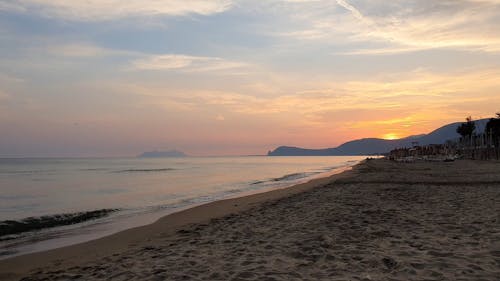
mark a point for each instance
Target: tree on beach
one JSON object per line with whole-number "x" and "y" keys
{"x": 493, "y": 128}
{"x": 466, "y": 129}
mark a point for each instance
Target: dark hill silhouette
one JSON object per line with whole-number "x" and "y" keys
{"x": 160, "y": 154}
{"x": 369, "y": 146}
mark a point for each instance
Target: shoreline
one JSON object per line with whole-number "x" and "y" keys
{"x": 382, "y": 220}
{"x": 71, "y": 234}
{"x": 17, "y": 266}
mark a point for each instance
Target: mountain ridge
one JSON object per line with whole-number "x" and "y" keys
{"x": 370, "y": 146}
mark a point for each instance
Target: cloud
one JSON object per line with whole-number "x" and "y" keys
{"x": 185, "y": 63}
{"x": 86, "y": 50}
{"x": 381, "y": 51}
{"x": 12, "y": 6}
{"x": 78, "y": 50}
{"x": 402, "y": 26}
{"x": 411, "y": 102}
{"x": 98, "y": 10}
{"x": 355, "y": 12}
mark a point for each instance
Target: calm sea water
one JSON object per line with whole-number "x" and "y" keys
{"x": 142, "y": 189}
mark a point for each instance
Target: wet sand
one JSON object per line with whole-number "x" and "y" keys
{"x": 381, "y": 221}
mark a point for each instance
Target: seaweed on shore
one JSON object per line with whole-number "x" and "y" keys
{"x": 11, "y": 227}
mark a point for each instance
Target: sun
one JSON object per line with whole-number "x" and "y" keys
{"x": 391, "y": 136}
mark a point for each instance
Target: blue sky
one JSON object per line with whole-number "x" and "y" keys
{"x": 115, "y": 78}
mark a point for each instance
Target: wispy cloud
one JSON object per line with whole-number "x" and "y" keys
{"x": 381, "y": 51}
{"x": 185, "y": 63}
{"x": 408, "y": 101}
{"x": 86, "y": 50}
{"x": 91, "y": 10}
{"x": 404, "y": 26}
{"x": 355, "y": 12}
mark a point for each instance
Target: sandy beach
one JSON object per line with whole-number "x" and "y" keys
{"x": 380, "y": 221}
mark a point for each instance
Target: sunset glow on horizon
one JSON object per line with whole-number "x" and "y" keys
{"x": 391, "y": 136}
{"x": 231, "y": 77}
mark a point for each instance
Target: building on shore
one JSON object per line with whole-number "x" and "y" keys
{"x": 431, "y": 152}
{"x": 478, "y": 147}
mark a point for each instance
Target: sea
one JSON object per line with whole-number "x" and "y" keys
{"x": 47, "y": 203}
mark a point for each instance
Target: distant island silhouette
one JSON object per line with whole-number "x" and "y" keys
{"x": 372, "y": 146}
{"x": 161, "y": 154}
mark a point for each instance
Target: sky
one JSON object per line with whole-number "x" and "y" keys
{"x": 229, "y": 77}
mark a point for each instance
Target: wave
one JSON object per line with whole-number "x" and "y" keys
{"x": 258, "y": 182}
{"x": 288, "y": 177}
{"x": 27, "y": 172}
{"x": 144, "y": 170}
{"x": 13, "y": 227}
{"x": 294, "y": 176}
{"x": 95, "y": 169}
